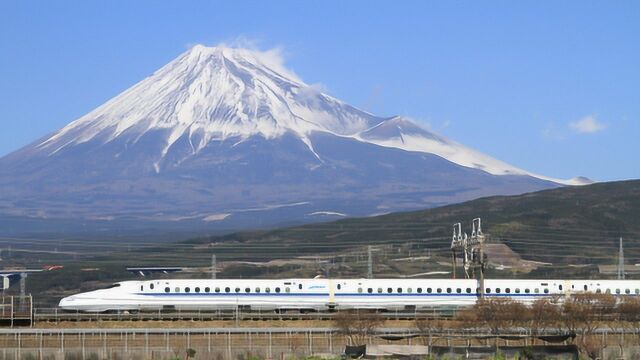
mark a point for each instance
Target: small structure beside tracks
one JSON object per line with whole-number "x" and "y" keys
{"x": 16, "y": 310}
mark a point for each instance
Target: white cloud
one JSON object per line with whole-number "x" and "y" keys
{"x": 587, "y": 125}
{"x": 311, "y": 94}
{"x": 425, "y": 123}
{"x": 273, "y": 58}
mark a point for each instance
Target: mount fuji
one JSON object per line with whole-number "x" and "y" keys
{"x": 228, "y": 138}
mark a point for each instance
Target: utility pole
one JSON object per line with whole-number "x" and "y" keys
{"x": 621, "y": 262}
{"x": 370, "y": 262}
{"x": 213, "y": 266}
{"x": 472, "y": 249}
{"x": 458, "y": 242}
{"x": 477, "y": 243}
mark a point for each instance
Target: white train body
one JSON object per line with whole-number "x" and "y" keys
{"x": 325, "y": 294}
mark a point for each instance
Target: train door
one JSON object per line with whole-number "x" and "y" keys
{"x": 332, "y": 293}
{"x": 567, "y": 288}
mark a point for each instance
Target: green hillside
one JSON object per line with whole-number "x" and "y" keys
{"x": 571, "y": 224}
{"x": 566, "y": 231}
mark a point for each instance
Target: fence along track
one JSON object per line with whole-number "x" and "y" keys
{"x": 56, "y": 315}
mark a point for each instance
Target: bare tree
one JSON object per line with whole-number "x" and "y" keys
{"x": 583, "y": 314}
{"x": 497, "y": 315}
{"x": 625, "y": 317}
{"x": 542, "y": 314}
{"x": 431, "y": 329}
{"x": 357, "y": 326}
{"x": 629, "y": 313}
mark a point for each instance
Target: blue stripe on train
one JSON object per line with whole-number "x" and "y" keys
{"x": 345, "y": 294}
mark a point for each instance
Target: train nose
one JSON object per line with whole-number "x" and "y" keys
{"x": 67, "y": 302}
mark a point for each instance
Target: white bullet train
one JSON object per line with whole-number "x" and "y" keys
{"x": 325, "y": 294}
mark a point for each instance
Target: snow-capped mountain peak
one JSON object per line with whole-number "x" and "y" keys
{"x": 213, "y": 93}
{"x": 216, "y": 93}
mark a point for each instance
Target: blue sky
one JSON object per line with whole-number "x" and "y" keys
{"x": 552, "y": 87}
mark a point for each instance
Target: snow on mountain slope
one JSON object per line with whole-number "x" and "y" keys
{"x": 403, "y": 134}
{"x": 216, "y": 93}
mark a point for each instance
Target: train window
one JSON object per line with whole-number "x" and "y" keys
{"x": 468, "y": 290}
{"x": 177, "y": 289}
{"x": 287, "y": 289}
{"x": 300, "y": 286}
{"x": 167, "y": 290}
{"x": 379, "y": 290}
{"x": 227, "y": 289}
{"x": 627, "y": 291}
{"x": 536, "y": 290}
{"x": 585, "y": 288}
{"x": 370, "y": 290}
{"x": 187, "y": 289}
{"x": 277, "y": 289}
{"x": 399, "y": 290}
{"x": 257, "y": 289}
{"x": 389, "y": 290}
{"x": 526, "y": 291}
{"x": 207, "y": 289}
{"x": 546, "y": 291}
{"x": 267, "y": 289}
{"x": 517, "y": 290}
{"x": 608, "y": 291}
{"x": 197, "y": 289}
{"x": 217, "y": 289}
{"x": 598, "y": 291}
{"x": 560, "y": 287}
{"x": 151, "y": 286}
{"x": 141, "y": 288}
{"x": 247, "y": 290}
{"x": 439, "y": 290}
{"x": 617, "y": 291}
{"x": 237, "y": 290}
{"x": 429, "y": 290}
{"x": 339, "y": 286}
{"x": 409, "y": 290}
{"x": 419, "y": 290}
{"x": 507, "y": 290}
{"x": 487, "y": 291}
{"x": 359, "y": 290}
{"x": 637, "y": 291}
{"x": 448, "y": 290}
{"x": 459, "y": 291}
{"x": 497, "y": 290}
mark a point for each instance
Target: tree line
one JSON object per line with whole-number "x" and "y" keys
{"x": 579, "y": 315}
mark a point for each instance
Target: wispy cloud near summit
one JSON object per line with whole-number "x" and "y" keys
{"x": 587, "y": 125}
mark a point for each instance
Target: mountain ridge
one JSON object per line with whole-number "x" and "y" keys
{"x": 554, "y": 225}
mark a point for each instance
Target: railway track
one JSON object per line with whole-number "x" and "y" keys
{"x": 57, "y": 315}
